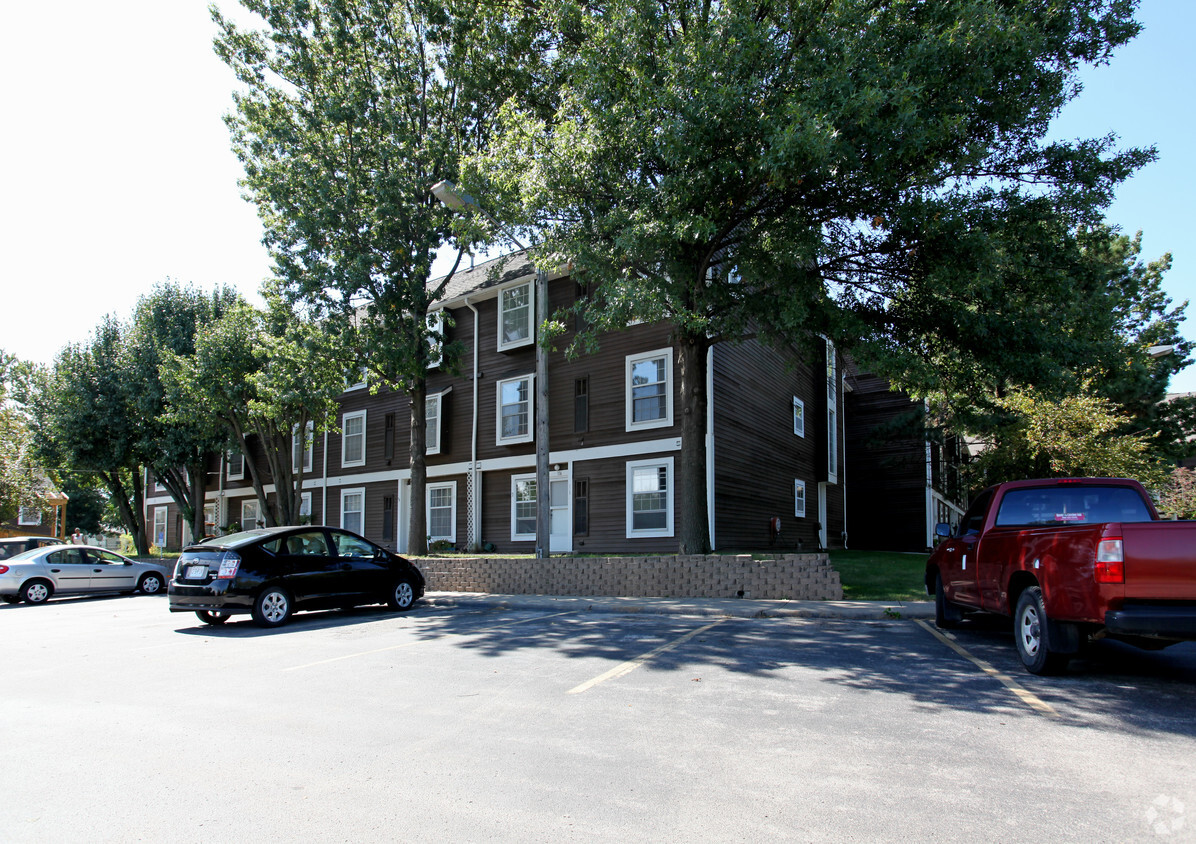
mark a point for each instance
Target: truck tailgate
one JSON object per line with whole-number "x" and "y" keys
{"x": 1160, "y": 560}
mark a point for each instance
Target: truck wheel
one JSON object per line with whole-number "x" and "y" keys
{"x": 946, "y": 614}
{"x": 1029, "y": 632}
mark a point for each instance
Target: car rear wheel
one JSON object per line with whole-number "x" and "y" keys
{"x": 1029, "y": 631}
{"x": 210, "y": 617}
{"x": 402, "y": 596}
{"x": 946, "y": 614}
{"x": 272, "y": 608}
{"x": 36, "y": 592}
{"x": 150, "y": 584}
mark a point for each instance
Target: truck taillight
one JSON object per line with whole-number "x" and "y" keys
{"x": 1110, "y": 561}
{"x": 228, "y": 566}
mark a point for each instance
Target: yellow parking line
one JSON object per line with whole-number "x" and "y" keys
{"x": 631, "y": 665}
{"x": 1031, "y": 700}
{"x": 420, "y": 641}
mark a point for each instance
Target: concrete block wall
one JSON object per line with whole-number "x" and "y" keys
{"x": 798, "y": 577}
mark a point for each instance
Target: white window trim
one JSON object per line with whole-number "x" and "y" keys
{"x": 667, "y": 421}
{"x": 632, "y": 465}
{"x": 799, "y": 499}
{"x": 799, "y": 413}
{"x": 531, "y": 411}
{"x": 452, "y": 535}
{"x": 531, "y": 316}
{"x": 164, "y": 512}
{"x": 228, "y": 466}
{"x": 522, "y": 537}
{"x": 252, "y": 503}
{"x": 345, "y": 493}
{"x": 29, "y": 516}
{"x": 305, "y": 504}
{"x": 357, "y": 414}
{"x": 435, "y": 322}
{"x": 360, "y": 385}
{"x": 308, "y": 452}
{"x": 435, "y": 398}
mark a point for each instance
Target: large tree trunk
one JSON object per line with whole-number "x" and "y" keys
{"x": 693, "y": 528}
{"x": 417, "y": 533}
{"x": 199, "y": 490}
{"x": 131, "y": 513}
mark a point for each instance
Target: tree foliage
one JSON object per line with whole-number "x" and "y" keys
{"x": 350, "y": 111}
{"x": 1177, "y": 499}
{"x": 18, "y": 483}
{"x": 873, "y": 172}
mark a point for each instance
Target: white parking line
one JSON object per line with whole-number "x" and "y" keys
{"x": 1031, "y": 700}
{"x": 421, "y": 641}
{"x": 629, "y": 666}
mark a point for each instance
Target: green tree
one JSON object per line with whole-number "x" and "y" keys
{"x": 1177, "y": 499}
{"x": 1074, "y": 436}
{"x": 268, "y": 375}
{"x": 873, "y": 172}
{"x": 175, "y": 443}
{"x": 85, "y": 418}
{"x": 350, "y": 111}
{"x": 18, "y": 487}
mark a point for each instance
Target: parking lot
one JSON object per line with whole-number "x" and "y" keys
{"x": 479, "y": 723}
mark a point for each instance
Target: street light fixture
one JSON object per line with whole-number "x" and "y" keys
{"x": 453, "y": 199}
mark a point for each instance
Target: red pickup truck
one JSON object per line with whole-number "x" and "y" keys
{"x": 1072, "y": 560}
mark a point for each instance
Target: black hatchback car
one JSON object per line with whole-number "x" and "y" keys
{"x": 272, "y": 572}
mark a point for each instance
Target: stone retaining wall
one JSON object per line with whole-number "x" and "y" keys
{"x": 798, "y": 577}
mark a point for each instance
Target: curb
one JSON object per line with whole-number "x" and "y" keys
{"x": 699, "y": 607}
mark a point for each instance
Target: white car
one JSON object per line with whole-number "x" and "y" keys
{"x": 33, "y": 576}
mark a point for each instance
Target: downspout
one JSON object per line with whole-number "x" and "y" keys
{"x": 474, "y": 509}
{"x": 710, "y": 444}
{"x": 843, "y": 469}
{"x": 324, "y": 493}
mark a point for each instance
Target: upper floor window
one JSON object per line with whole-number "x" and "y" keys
{"x": 515, "y": 410}
{"x": 515, "y": 313}
{"x": 432, "y": 424}
{"x": 353, "y": 439}
{"x": 236, "y": 466}
{"x": 799, "y": 417}
{"x": 29, "y": 516}
{"x": 435, "y": 338}
{"x": 650, "y": 390}
{"x": 303, "y": 448}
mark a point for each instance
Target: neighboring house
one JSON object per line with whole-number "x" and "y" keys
{"x": 47, "y": 518}
{"x": 903, "y": 482}
{"x": 774, "y": 450}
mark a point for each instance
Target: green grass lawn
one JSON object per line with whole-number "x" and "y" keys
{"x": 881, "y": 575}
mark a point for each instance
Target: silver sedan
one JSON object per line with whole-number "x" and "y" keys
{"x": 33, "y": 576}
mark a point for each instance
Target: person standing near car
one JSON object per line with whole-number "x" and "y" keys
{"x": 77, "y": 537}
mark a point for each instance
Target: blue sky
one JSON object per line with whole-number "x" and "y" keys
{"x": 118, "y": 172}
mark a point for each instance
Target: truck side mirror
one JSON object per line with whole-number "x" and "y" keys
{"x": 943, "y": 530}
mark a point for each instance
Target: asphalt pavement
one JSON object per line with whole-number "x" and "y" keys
{"x": 699, "y": 607}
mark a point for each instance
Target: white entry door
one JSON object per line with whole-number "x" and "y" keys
{"x": 560, "y": 519}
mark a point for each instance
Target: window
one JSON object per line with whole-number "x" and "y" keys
{"x": 432, "y": 424}
{"x": 799, "y": 417}
{"x": 523, "y": 507}
{"x": 650, "y": 498}
{"x": 304, "y": 507}
{"x": 29, "y": 516}
{"x": 832, "y": 407}
{"x": 353, "y": 510}
{"x": 581, "y": 507}
{"x": 799, "y": 499}
{"x": 360, "y": 385}
{"x": 388, "y": 517}
{"x": 435, "y": 338}
{"x": 581, "y": 405}
{"x": 159, "y": 536}
{"x": 302, "y": 448}
{"x": 649, "y": 390}
{"x": 236, "y": 466}
{"x": 515, "y": 410}
{"x": 442, "y": 512}
{"x": 209, "y": 519}
{"x": 515, "y": 309}
{"x": 249, "y": 514}
{"x": 353, "y": 439}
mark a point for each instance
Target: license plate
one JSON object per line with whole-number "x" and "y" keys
{"x": 197, "y": 572}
